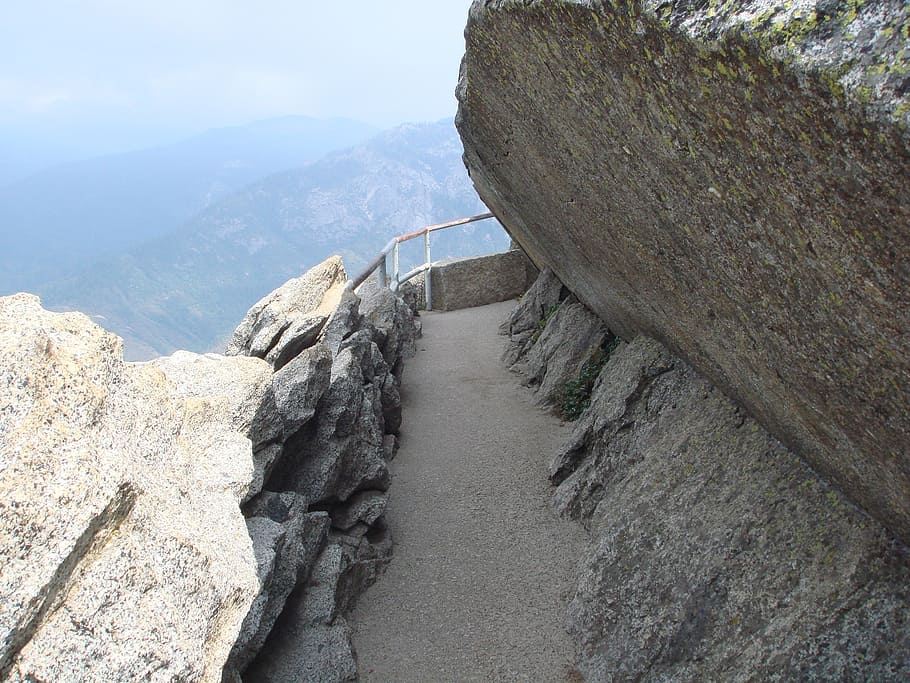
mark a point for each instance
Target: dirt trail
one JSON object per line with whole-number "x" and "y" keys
{"x": 481, "y": 573}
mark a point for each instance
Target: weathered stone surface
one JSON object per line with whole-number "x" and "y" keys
{"x": 311, "y": 642}
{"x": 465, "y": 283}
{"x": 338, "y": 404}
{"x": 286, "y": 542}
{"x": 342, "y": 322}
{"x": 736, "y": 185}
{"x": 124, "y": 553}
{"x": 363, "y": 508}
{"x": 571, "y": 338}
{"x": 396, "y": 331}
{"x": 341, "y": 452}
{"x": 367, "y": 550}
{"x": 538, "y": 303}
{"x": 389, "y": 447}
{"x": 414, "y": 293}
{"x": 716, "y": 553}
{"x": 299, "y": 386}
{"x": 125, "y": 556}
{"x": 300, "y": 335}
{"x": 525, "y": 324}
{"x": 239, "y": 381}
{"x": 282, "y": 323}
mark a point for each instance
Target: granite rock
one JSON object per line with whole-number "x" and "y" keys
{"x": 716, "y": 553}
{"x": 119, "y": 497}
{"x": 572, "y": 337}
{"x": 290, "y": 318}
{"x": 731, "y": 179}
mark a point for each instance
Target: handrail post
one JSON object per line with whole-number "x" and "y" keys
{"x": 395, "y": 271}
{"x": 427, "y": 287}
{"x": 382, "y": 273}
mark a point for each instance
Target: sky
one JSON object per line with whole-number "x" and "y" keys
{"x": 127, "y": 70}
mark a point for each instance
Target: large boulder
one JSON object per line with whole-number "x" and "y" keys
{"x": 124, "y": 553}
{"x": 730, "y": 178}
{"x": 716, "y": 553}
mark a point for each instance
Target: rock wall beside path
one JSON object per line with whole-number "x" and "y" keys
{"x": 716, "y": 553}
{"x": 158, "y": 520}
{"x": 730, "y": 178}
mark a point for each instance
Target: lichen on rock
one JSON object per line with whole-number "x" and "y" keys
{"x": 732, "y": 179}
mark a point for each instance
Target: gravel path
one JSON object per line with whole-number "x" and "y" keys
{"x": 482, "y": 569}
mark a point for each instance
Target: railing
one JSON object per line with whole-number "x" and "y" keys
{"x": 379, "y": 263}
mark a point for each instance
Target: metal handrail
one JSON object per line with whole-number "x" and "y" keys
{"x": 379, "y": 263}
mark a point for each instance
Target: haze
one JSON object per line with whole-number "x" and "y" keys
{"x": 87, "y": 77}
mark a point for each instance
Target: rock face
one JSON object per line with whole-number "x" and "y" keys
{"x": 158, "y": 520}
{"x": 716, "y": 553}
{"x": 290, "y": 319}
{"x": 731, "y": 179}
{"x": 525, "y": 325}
{"x": 317, "y": 525}
{"x": 571, "y": 338}
{"x": 124, "y": 553}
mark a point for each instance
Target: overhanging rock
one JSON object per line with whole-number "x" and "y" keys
{"x": 732, "y": 179}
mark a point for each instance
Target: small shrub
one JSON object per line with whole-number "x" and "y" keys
{"x": 542, "y": 323}
{"x": 575, "y": 397}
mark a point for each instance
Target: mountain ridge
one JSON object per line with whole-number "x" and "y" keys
{"x": 187, "y": 288}
{"x": 62, "y": 218}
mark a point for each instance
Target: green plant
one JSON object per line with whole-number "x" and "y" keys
{"x": 542, "y": 323}
{"x": 575, "y": 397}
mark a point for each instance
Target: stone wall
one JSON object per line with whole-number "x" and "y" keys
{"x": 715, "y": 553}
{"x": 480, "y": 280}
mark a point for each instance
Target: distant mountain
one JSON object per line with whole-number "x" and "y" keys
{"x": 64, "y": 218}
{"x": 27, "y": 147}
{"x": 191, "y": 287}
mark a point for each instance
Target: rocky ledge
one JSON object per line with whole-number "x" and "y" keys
{"x": 197, "y": 517}
{"x": 730, "y": 178}
{"x": 716, "y": 554}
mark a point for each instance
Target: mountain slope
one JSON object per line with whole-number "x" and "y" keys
{"x": 64, "y": 218}
{"x": 189, "y": 288}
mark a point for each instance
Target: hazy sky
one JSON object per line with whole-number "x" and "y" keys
{"x": 194, "y": 64}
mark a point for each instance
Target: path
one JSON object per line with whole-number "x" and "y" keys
{"x": 482, "y": 568}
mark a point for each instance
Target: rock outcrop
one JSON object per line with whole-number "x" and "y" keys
{"x": 317, "y": 524}
{"x": 732, "y": 179}
{"x": 124, "y": 552}
{"x": 716, "y": 553}
{"x": 173, "y": 519}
